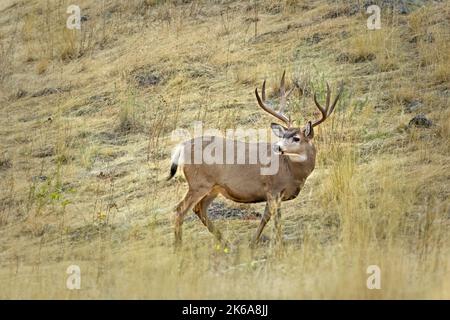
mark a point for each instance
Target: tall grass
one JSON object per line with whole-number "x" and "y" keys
{"x": 88, "y": 188}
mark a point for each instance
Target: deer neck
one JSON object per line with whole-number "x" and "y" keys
{"x": 301, "y": 167}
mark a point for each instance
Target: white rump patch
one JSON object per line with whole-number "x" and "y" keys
{"x": 178, "y": 154}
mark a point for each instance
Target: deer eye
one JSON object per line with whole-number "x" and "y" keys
{"x": 296, "y": 139}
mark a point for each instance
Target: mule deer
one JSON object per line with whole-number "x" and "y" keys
{"x": 243, "y": 182}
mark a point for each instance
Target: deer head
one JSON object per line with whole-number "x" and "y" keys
{"x": 294, "y": 140}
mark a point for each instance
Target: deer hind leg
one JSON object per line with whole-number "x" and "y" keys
{"x": 201, "y": 210}
{"x": 190, "y": 199}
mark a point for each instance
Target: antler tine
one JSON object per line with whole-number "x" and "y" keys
{"x": 269, "y": 110}
{"x": 283, "y": 99}
{"x": 327, "y": 110}
{"x": 282, "y": 93}
{"x": 328, "y": 97}
{"x": 263, "y": 93}
{"x": 341, "y": 87}
{"x": 322, "y": 110}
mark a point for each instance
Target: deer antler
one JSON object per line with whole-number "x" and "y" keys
{"x": 283, "y": 100}
{"x": 328, "y": 109}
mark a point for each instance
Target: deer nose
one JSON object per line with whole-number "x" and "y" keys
{"x": 277, "y": 148}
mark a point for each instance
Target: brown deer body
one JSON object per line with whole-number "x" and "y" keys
{"x": 294, "y": 154}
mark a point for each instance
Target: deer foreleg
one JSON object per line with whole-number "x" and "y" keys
{"x": 265, "y": 218}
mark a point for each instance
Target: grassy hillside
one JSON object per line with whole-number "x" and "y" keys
{"x": 85, "y": 139}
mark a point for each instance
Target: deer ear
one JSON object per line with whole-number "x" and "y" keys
{"x": 278, "y": 129}
{"x": 309, "y": 131}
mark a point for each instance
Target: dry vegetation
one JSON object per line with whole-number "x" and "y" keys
{"x": 85, "y": 123}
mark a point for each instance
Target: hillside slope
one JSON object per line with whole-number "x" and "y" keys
{"x": 86, "y": 118}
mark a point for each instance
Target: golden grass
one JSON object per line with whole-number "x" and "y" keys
{"x": 82, "y": 170}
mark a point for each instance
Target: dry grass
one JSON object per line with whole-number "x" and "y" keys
{"x": 83, "y": 162}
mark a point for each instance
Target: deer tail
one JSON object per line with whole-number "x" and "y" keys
{"x": 175, "y": 160}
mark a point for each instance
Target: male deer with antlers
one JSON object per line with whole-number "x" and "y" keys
{"x": 243, "y": 182}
